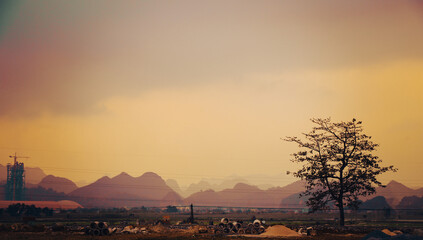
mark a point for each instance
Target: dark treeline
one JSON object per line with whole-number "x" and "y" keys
{"x": 18, "y": 209}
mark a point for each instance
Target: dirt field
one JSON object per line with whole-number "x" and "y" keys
{"x": 71, "y": 225}
{"x": 47, "y": 236}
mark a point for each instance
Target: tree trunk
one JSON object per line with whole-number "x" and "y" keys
{"x": 341, "y": 196}
{"x": 341, "y": 214}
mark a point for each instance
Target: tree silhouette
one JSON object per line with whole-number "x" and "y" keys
{"x": 338, "y": 164}
{"x": 19, "y": 209}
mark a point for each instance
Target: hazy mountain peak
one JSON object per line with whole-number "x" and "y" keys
{"x": 394, "y": 192}
{"x": 152, "y": 178}
{"x": 50, "y": 178}
{"x": 244, "y": 186}
{"x": 122, "y": 174}
{"x": 58, "y": 184}
{"x": 173, "y": 184}
{"x": 151, "y": 174}
{"x": 395, "y": 186}
{"x": 103, "y": 179}
{"x": 147, "y": 190}
{"x": 393, "y": 183}
{"x": 123, "y": 178}
{"x": 172, "y": 181}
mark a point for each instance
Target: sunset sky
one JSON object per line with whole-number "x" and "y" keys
{"x": 192, "y": 89}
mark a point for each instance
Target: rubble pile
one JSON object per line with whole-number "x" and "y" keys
{"x": 309, "y": 231}
{"x": 132, "y": 229}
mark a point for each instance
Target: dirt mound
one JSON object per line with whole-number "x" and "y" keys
{"x": 158, "y": 229}
{"x": 279, "y": 231}
{"x": 377, "y": 234}
{"x": 387, "y": 232}
{"x": 193, "y": 229}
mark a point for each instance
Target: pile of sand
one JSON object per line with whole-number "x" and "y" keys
{"x": 387, "y": 232}
{"x": 279, "y": 231}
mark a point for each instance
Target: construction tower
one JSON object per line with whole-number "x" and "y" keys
{"x": 15, "y": 185}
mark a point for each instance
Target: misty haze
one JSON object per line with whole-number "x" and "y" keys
{"x": 211, "y": 119}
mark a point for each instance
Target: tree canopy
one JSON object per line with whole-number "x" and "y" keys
{"x": 338, "y": 164}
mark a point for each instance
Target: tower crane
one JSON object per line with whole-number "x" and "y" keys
{"x": 15, "y": 185}
{"x": 15, "y": 158}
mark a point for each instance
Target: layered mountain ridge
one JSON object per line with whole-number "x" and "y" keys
{"x": 149, "y": 189}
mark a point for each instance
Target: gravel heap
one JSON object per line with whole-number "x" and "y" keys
{"x": 279, "y": 231}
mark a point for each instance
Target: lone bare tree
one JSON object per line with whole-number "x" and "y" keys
{"x": 338, "y": 164}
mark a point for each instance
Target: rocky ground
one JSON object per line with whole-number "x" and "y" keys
{"x": 171, "y": 236}
{"x": 207, "y": 233}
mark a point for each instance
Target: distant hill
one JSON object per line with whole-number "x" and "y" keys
{"x": 241, "y": 195}
{"x": 419, "y": 192}
{"x": 42, "y": 194}
{"x": 412, "y": 202}
{"x": 197, "y": 187}
{"x": 58, "y": 184}
{"x": 32, "y": 175}
{"x": 288, "y": 190}
{"x": 293, "y": 201}
{"x": 265, "y": 186}
{"x": 288, "y": 196}
{"x": 394, "y": 192}
{"x": 150, "y": 189}
{"x": 385, "y": 197}
{"x": 244, "y": 195}
{"x": 205, "y": 198}
{"x": 37, "y": 193}
{"x": 263, "y": 181}
{"x": 204, "y": 185}
{"x": 231, "y": 183}
{"x": 172, "y": 183}
{"x": 378, "y": 202}
{"x": 124, "y": 190}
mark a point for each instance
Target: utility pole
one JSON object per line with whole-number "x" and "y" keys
{"x": 191, "y": 218}
{"x": 15, "y": 185}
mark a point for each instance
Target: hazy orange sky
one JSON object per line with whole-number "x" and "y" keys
{"x": 192, "y": 89}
